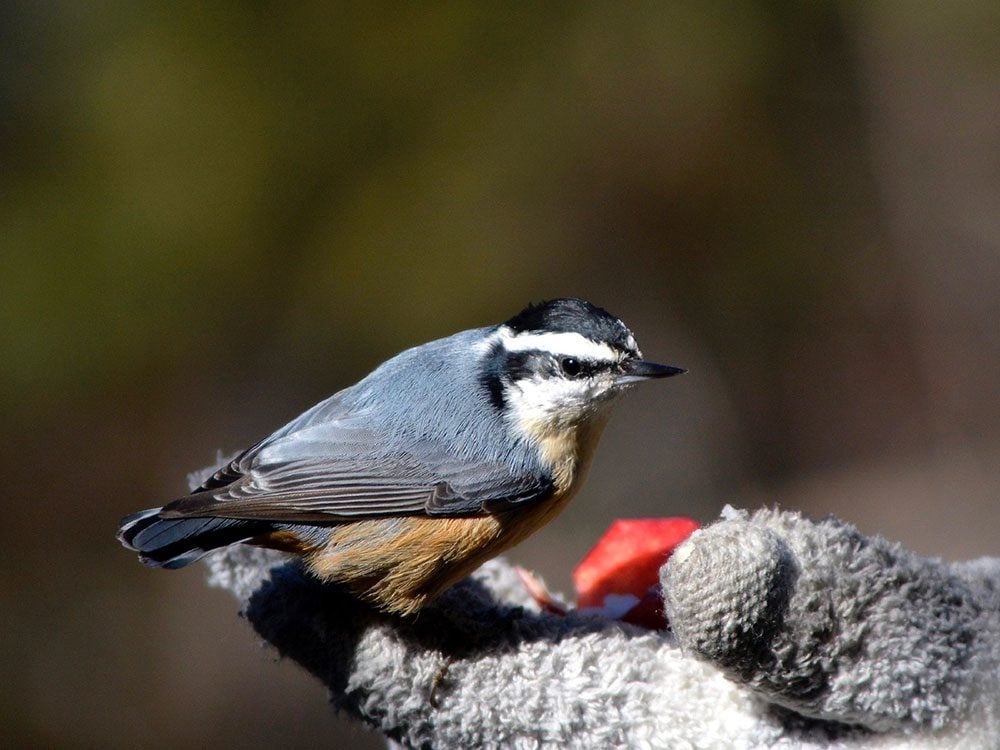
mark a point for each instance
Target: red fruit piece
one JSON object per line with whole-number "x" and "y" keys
{"x": 628, "y": 558}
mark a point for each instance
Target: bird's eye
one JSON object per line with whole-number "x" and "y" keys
{"x": 571, "y": 366}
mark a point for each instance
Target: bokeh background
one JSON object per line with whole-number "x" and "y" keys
{"x": 212, "y": 217}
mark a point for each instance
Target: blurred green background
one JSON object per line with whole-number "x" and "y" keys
{"x": 212, "y": 217}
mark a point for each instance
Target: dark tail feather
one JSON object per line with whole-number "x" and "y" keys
{"x": 176, "y": 542}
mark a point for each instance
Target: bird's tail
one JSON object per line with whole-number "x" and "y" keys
{"x": 176, "y": 542}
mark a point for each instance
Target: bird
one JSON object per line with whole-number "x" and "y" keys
{"x": 442, "y": 457}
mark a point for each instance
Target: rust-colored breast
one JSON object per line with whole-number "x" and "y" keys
{"x": 399, "y": 564}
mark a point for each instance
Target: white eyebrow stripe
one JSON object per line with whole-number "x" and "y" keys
{"x": 567, "y": 343}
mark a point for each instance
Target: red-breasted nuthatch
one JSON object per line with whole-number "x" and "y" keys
{"x": 444, "y": 456}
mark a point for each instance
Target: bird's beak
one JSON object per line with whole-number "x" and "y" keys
{"x": 637, "y": 370}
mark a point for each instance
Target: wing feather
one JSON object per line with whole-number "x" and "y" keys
{"x": 339, "y": 471}
{"x": 328, "y": 490}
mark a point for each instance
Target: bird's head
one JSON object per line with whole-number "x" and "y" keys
{"x": 561, "y": 363}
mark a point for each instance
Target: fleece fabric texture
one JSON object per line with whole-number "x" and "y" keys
{"x": 786, "y": 633}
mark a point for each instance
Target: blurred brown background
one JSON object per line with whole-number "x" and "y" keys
{"x": 212, "y": 218}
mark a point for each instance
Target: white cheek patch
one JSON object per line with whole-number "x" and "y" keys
{"x": 567, "y": 344}
{"x": 554, "y": 400}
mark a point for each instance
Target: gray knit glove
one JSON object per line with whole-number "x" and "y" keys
{"x": 787, "y": 633}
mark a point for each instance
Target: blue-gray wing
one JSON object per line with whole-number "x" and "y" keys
{"x": 339, "y": 471}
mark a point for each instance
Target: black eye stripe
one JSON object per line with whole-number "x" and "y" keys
{"x": 529, "y": 364}
{"x": 526, "y": 364}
